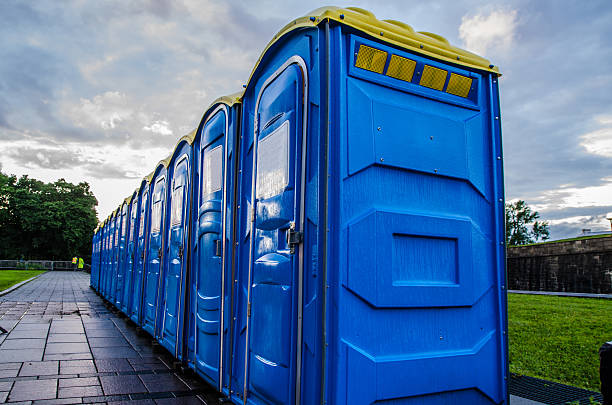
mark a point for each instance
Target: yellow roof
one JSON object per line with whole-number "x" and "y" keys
{"x": 394, "y": 32}
{"x": 189, "y": 138}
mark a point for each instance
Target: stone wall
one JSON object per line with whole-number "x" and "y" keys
{"x": 572, "y": 266}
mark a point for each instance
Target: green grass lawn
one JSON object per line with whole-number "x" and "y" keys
{"x": 558, "y": 338}
{"x": 12, "y": 277}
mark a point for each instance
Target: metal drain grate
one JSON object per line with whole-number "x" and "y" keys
{"x": 549, "y": 392}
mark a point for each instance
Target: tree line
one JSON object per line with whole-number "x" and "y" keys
{"x": 52, "y": 221}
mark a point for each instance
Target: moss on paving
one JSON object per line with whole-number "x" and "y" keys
{"x": 558, "y": 338}
{"x": 9, "y": 278}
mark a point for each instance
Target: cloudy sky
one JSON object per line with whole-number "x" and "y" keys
{"x": 101, "y": 90}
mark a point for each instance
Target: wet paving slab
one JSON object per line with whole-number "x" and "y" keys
{"x": 65, "y": 345}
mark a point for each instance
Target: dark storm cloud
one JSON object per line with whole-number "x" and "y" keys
{"x": 57, "y": 159}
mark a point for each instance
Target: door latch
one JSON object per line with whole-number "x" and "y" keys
{"x": 180, "y": 251}
{"x": 294, "y": 238}
{"x": 159, "y": 253}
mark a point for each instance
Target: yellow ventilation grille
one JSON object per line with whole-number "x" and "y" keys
{"x": 433, "y": 78}
{"x": 371, "y": 59}
{"x": 459, "y": 85}
{"x": 401, "y": 68}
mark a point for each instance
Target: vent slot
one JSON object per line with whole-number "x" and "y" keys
{"x": 459, "y": 85}
{"x": 401, "y": 68}
{"x": 371, "y": 59}
{"x": 433, "y": 77}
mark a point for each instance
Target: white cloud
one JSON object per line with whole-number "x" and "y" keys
{"x": 106, "y": 110}
{"x": 572, "y": 197}
{"x": 159, "y": 127}
{"x": 481, "y": 31}
{"x": 599, "y": 142}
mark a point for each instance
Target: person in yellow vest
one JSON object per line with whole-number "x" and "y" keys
{"x": 74, "y": 263}
{"x": 81, "y": 263}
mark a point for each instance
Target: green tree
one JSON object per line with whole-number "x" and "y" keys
{"x": 45, "y": 220}
{"x": 522, "y": 225}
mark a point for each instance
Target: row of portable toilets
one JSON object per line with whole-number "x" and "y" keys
{"x": 333, "y": 234}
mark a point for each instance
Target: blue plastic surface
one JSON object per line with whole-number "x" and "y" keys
{"x": 172, "y": 289}
{"x": 340, "y": 236}
{"x": 154, "y": 249}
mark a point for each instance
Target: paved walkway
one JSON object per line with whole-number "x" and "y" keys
{"x": 64, "y": 346}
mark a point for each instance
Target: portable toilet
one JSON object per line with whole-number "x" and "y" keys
{"x": 155, "y": 244}
{"x": 118, "y": 290}
{"x": 371, "y": 220}
{"x": 130, "y": 246}
{"x": 111, "y": 257}
{"x": 175, "y": 260}
{"x": 103, "y": 231}
{"x": 215, "y": 152}
{"x": 94, "y": 242}
{"x": 140, "y": 252}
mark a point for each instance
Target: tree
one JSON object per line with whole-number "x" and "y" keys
{"x": 45, "y": 220}
{"x": 519, "y": 217}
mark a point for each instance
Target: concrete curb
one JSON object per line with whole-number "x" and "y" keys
{"x": 563, "y": 294}
{"x": 16, "y": 286}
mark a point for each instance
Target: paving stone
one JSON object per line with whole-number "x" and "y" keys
{"x": 133, "y": 402}
{"x": 69, "y": 356}
{"x": 179, "y": 401}
{"x": 123, "y": 384}
{"x": 77, "y": 366}
{"x": 59, "y": 401}
{"x": 108, "y": 342}
{"x": 105, "y": 365}
{"x": 28, "y": 334}
{"x": 99, "y": 333}
{"x": 3, "y": 396}
{"x": 66, "y": 348}
{"x": 6, "y": 385}
{"x": 16, "y": 344}
{"x": 39, "y": 368}
{"x": 33, "y": 390}
{"x": 113, "y": 352}
{"x": 79, "y": 391}
{"x": 32, "y": 326}
{"x": 7, "y": 373}
{"x": 162, "y": 383}
{"x": 11, "y": 356}
{"x": 11, "y": 366}
{"x": 78, "y": 382}
{"x": 67, "y": 338}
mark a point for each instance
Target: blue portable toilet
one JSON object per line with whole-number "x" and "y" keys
{"x": 98, "y": 285}
{"x": 214, "y": 166}
{"x": 107, "y": 256}
{"x": 118, "y": 290}
{"x": 140, "y": 251}
{"x": 130, "y": 246}
{"x": 155, "y": 244}
{"x": 111, "y": 256}
{"x": 176, "y": 242}
{"x": 94, "y": 243}
{"x": 370, "y": 235}
{"x": 112, "y": 292}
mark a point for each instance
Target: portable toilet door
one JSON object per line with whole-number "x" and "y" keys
{"x": 274, "y": 110}
{"x": 176, "y": 248}
{"x": 94, "y": 241}
{"x": 111, "y": 249}
{"x": 121, "y": 255}
{"x": 140, "y": 254}
{"x": 102, "y": 256}
{"x": 207, "y": 290}
{"x": 116, "y": 248}
{"x": 155, "y": 253}
{"x": 107, "y": 255}
{"x": 128, "y": 280}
